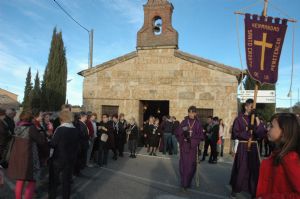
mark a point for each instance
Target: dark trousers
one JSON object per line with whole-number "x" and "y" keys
{"x": 260, "y": 145}
{"x": 132, "y": 146}
{"x": 214, "y": 153}
{"x": 167, "y": 143}
{"x": 54, "y": 179}
{"x": 102, "y": 153}
{"x": 120, "y": 145}
{"x": 206, "y": 145}
{"x": 81, "y": 160}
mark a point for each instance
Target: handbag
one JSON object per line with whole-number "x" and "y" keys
{"x": 104, "y": 137}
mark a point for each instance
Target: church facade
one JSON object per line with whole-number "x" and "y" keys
{"x": 159, "y": 79}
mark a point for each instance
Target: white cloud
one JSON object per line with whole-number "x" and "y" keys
{"x": 38, "y": 3}
{"x": 32, "y": 15}
{"x": 131, "y": 9}
{"x": 82, "y": 66}
{"x": 74, "y": 89}
{"x": 13, "y": 71}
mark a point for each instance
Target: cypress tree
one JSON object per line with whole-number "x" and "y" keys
{"x": 27, "y": 91}
{"x": 35, "y": 94}
{"x": 44, "y": 99}
{"x": 264, "y": 110}
{"x": 55, "y": 76}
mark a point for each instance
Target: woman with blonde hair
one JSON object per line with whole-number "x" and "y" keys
{"x": 132, "y": 137}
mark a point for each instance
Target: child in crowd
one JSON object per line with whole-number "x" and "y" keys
{"x": 280, "y": 173}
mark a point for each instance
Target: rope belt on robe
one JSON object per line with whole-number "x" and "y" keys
{"x": 252, "y": 142}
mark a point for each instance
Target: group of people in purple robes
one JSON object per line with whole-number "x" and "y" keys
{"x": 245, "y": 170}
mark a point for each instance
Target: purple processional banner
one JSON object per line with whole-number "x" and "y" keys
{"x": 264, "y": 39}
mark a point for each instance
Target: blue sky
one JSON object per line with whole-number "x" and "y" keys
{"x": 207, "y": 28}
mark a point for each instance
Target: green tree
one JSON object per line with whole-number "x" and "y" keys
{"x": 55, "y": 77}
{"x": 264, "y": 110}
{"x": 35, "y": 94}
{"x": 44, "y": 99}
{"x": 28, "y": 87}
{"x": 296, "y": 108}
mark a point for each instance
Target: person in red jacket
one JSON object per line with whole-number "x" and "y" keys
{"x": 90, "y": 127}
{"x": 280, "y": 173}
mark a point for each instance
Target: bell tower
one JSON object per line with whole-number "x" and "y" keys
{"x": 157, "y": 31}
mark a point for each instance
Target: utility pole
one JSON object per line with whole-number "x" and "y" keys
{"x": 91, "y": 34}
{"x": 91, "y": 37}
{"x": 298, "y": 96}
{"x": 290, "y": 96}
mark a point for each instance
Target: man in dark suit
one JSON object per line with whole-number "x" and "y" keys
{"x": 213, "y": 141}
{"x": 80, "y": 124}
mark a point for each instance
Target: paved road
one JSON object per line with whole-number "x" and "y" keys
{"x": 146, "y": 177}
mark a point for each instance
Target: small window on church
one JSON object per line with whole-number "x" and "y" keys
{"x": 157, "y": 25}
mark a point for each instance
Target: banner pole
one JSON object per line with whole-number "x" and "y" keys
{"x": 256, "y": 88}
{"x": 265, "y": 8}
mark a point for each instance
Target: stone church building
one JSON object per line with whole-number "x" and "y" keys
{"x": 159, "y": 79}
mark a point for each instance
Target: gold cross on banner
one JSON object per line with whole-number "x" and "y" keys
{"x": 264, "y": 44}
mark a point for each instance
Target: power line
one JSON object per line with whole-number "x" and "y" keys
{"x": 71, "y": 16}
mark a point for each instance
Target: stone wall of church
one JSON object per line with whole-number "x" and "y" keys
{"x": 157, "y": 74}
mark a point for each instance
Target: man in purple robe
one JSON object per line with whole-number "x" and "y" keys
{"x": 189, "y": 134}
{"x": 245, "y": 170}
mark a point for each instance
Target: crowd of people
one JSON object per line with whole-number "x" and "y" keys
{"x": 160, "y": 135}
{"x": 62, "y": 147}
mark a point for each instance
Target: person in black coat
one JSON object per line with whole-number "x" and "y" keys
{"x": 150, "y": 132}
{"x": 65, "y": 145}
{"x": 105, "y": 129}
{"x": 119, "y": 134}
{"x": 79, "y": 123}
{"x": 207, "y": 131}
{"x": 167, "y": 129}
{"x": 155, "y": 135}
{"x": 5, "y": 137}
{"x": 125, "y": 125}
{"x": 132, "y": 136}
{"x": 213, "y": 141}
{"x": 9, "y": 119}
{"x": 174, "y": 143}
